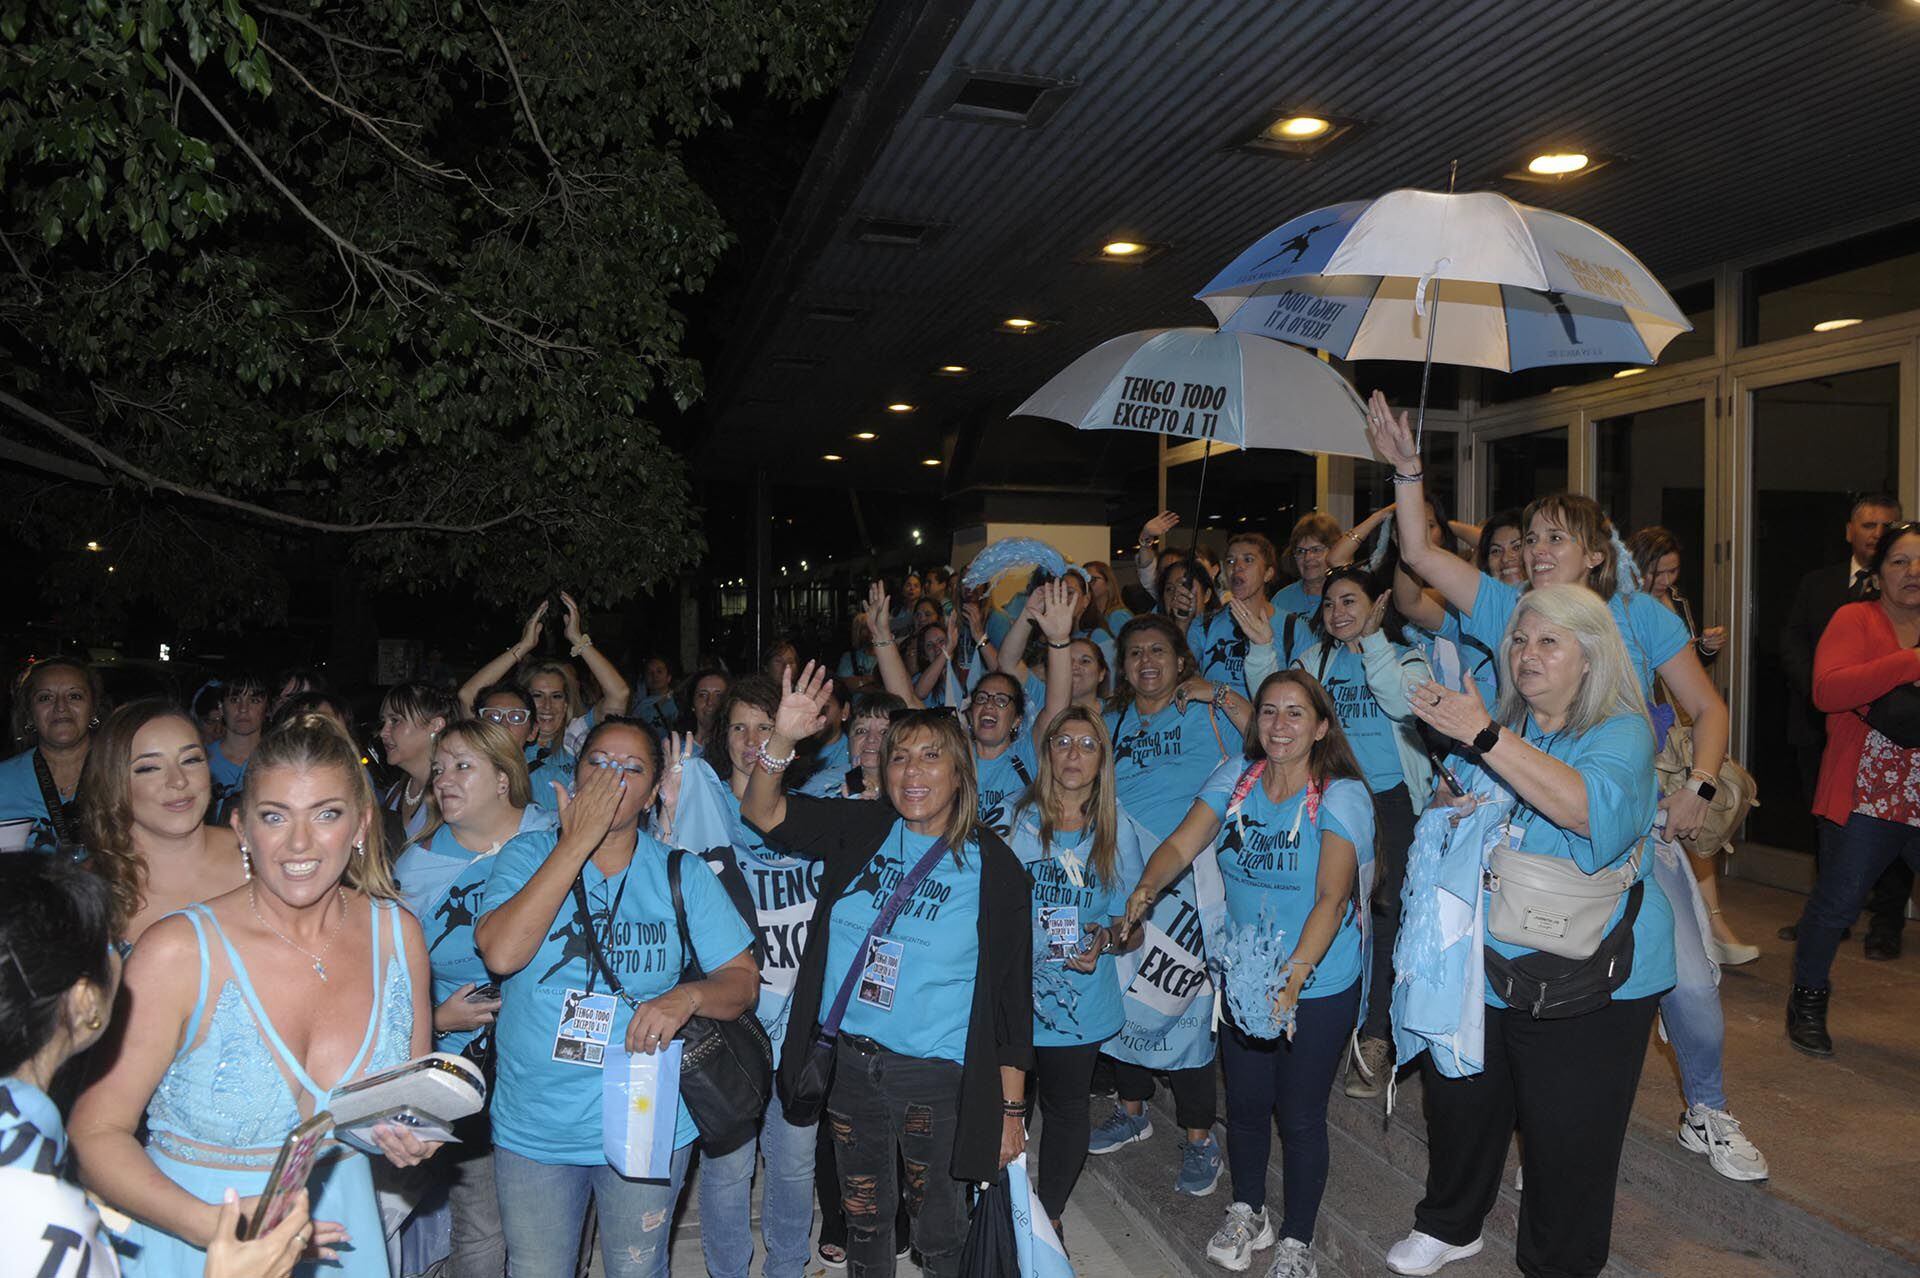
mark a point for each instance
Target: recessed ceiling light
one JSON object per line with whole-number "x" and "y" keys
{"x": 1122, "y": 248}
{"x": 930, "y": 461}
{"x": 1019, "y": 322}
{"x": 1299, "y": 128}
{"x": 900, "y": 408}
{"x": 93, "y": 545}
{"x": 866, "y": 434}
{"x": 1629, "y": 372}
{"x": 831, "y": 457}
{"x": 953, "y": 370}
{"x": 1558, "y": 163}
{"x": 1827, "y": 326}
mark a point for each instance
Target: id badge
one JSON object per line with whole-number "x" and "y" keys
{"x": 586, "y": 1023}
{"x": 881, "y": 976}
{"x": 1061, "y": 923}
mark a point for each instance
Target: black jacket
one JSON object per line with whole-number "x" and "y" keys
{"x": 1819, "y": 595}
{"x": 844, "y": 835}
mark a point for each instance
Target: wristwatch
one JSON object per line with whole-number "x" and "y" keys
{"x": 1702, "y": 787}
{"x": 1488, "y": 737}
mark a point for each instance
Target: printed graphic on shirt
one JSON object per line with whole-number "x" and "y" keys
{"x": 1248, "y": 849}
{"x": 630, "y": 946}
{"x": 883, "y": 874}
{"x": 458, "y": 908}
{"x": 784, "y": 895}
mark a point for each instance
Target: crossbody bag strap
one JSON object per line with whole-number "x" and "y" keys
{"x": 690, "y": 969}
{"x": 50, "y": 795}
{"x": 830, "y": 1027}
{"x": 599, "y": 958}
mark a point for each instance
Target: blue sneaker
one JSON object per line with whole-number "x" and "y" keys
{"x": 1199, "y": 1167}
{"x": 1118, "y": 1130}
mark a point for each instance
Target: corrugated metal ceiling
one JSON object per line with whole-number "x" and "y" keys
{"x": 1732, "y": 128}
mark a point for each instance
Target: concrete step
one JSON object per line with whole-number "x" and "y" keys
{"x": 1661, "y": 1186}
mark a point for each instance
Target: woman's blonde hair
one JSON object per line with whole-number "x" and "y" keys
{"x": 491, "y": 742}
{"x": 1581, "y": 516}
{"x": 1103, "y": 810}
{"x": 576, "y": 703}
{"x": 1610, "y": 687}
{"x": 312, "y": 741}
{"x": 944, "y": 727}
{"x": 106, "y": 804}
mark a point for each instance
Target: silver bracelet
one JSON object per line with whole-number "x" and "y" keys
{"x": 1418, "y": 476}
{"x": 773, "y": 765}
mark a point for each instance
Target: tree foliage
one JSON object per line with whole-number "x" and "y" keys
{"x": 408, "y": 270}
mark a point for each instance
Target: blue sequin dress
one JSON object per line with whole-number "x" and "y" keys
{"x": 233, "y": 1093}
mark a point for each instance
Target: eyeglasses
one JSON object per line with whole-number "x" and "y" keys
{"x": 599, "y": 760}
{"x": 998, "y": 700}
{"x": 498, "y": 714}
{"x": 1066, "y": 741}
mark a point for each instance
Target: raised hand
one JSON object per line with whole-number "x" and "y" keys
{"x": 530, "y": 633}
{"x": 879, "y": 614}
{"x": 1159, "y": 526}
{"x": 1459, "y": 715}
{"x": 571, "y": 626}
{"x": 588, "y": 814}
{"x": 679, "y": 748}
{"x": 1377, "y": 616}
{"x": 1392, "y": 437}
{"x": 1052, "y": 607}
{"x": 1257, "y": 629}
{"x": 976, "y": 619}
{"x": 803, "y": 702}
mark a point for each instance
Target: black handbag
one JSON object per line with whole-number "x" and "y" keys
{"x": 726, "y": 1067}
{"x": 1896, "y": 716}
{"x": 803, "y": 1099}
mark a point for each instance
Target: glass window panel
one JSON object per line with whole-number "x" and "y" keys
{"x": 1816, "y": 444}
{"x": 1858, "y": 279}
{"x": 1522, "y": 467}
{"x": 1373, "y": 481}
{"x": 1652, "y": 470}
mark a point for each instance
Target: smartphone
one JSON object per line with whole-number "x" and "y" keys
{"x": 484, "y": 993}
{"x": 289, "y": 1174}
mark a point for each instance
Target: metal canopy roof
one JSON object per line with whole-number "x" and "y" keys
{"x": 1728, "y": 130}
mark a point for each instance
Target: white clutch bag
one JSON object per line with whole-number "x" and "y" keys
{"x": 429, "y": 1095}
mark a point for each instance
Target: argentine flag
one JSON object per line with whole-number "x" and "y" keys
{"x": 1039, "y": 1249}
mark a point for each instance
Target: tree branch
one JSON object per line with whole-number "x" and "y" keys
{"x": 379, "y": 265}
{"x": 513, "y": 70}
{"x": 327, "y": 35}
{"x": 114, "y": 461}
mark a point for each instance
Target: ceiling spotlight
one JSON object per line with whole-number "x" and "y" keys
{"x": 1628, "y": 372}
{"x": 1299, "y": 128}
{"x": 952, "y": 370}
{"x": 1558, "y": 163}
{"x": 866, "y": 434}
{"x": 930, "y": 461}
{"x": 1122, "y": 248}
{"x": 900, "y": 408}
{"x": 1019, "y": 323}
{"x": 831, "y": 457}
{"x": 93, "y": 545}
{"x": 1824, "y": 326}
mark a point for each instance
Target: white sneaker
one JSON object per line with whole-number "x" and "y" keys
{"x": 1420, "y": 1253}
{"x": 1294, "y": 1259}
{"x": 1717, "y": 1134}
{"x": 1242, "y": 1233}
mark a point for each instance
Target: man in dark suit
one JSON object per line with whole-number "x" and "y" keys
{"x": 1820, "y": 595}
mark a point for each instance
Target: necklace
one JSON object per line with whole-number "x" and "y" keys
{"x": 406, "y": 791}
{"x": 319, "y": 960}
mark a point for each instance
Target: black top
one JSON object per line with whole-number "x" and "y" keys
{"x": 844, "y": 834}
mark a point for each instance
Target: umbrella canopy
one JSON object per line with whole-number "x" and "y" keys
{"x": 1196, "y": 383}
{"x": 1494, "y": 284}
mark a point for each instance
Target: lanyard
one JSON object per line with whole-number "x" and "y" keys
{"x": 598, "y": 959}
{"x": 1516, "y": 834}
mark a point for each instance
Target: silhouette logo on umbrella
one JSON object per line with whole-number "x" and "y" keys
{"x": 1297, "y": 245}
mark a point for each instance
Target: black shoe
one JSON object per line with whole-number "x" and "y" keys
{"x": 1807, "y": 1021}
{"x": 1883, "y": 946}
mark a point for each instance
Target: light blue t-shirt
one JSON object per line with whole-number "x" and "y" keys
{"x": 1269, "y": 858}
{"x": 32, "y": 1137}
{"x": 1373, "y": 735}
{"x": 21, "y": 800}
{"x": 657, "y": 710}
{"x": 1160, "y": 762}
{"x": 1220, "y": 650}
{"x": 1652, "y": 632}
{"x": 1615, "y": 761}
{"x": 557, "y": 766}
{"x": 444, "y": 886}
{"x": 548, "y": 1110}
{"x": 1476, "y": 657}
{"x": 856, "y": 665}
{"x": 227, "y": 775}
{"x": 1293, "y": 598}
{"x": 785, "y": 891}
{"x": 826, "y": 780}
{"x": 1073, "y": 1008}
{"x": 915, "y": 996}
{"x": 1002, "y": 781}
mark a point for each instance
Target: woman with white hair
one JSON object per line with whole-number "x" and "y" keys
{"x": 1571, "y": 740}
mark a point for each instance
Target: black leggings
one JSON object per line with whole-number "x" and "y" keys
{"x": 1194, "y": 1092}
{"x": 1061, "y": 1076}
{"x": 1393, "y": 821}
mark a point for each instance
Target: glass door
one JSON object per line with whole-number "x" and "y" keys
{"x": 1517, "y": 465}
{"x": 1650, "y": 468}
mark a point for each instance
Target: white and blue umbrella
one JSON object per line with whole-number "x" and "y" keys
{"x": 1200, "y": 384}
{"x": 1472, "y": 278}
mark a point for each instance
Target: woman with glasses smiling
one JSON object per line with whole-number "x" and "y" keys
{"x": 509, "y": 707}
{"x": 1306, "y": 556}
{"x": 1083, "y": 854}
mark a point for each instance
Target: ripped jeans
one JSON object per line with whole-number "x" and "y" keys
{"x": 883, "y": 1102}
{"x": 543, "y": 1207}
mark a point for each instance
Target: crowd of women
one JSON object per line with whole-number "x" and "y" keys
{"x": 998, "y": 862}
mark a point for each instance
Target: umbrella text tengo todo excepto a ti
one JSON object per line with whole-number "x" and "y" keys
{"x": 1201, "y": 384}
{"x": 1472, "y": 278}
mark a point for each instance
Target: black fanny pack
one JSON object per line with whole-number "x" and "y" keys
{"x": 1549, "y": 987}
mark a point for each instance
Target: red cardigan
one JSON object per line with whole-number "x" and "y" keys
{"x": 1859, "y": 661}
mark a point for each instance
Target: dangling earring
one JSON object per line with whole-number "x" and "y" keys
{"x": 359, "y": 847}
{"x": 246, "y": 863}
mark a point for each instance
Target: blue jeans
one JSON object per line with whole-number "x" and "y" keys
{"x": 1849, "y": 868}
{"x": 543, "y": 1207}
{"x": 786, "y": 1207}
{"x": 1696, "y": 1027}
